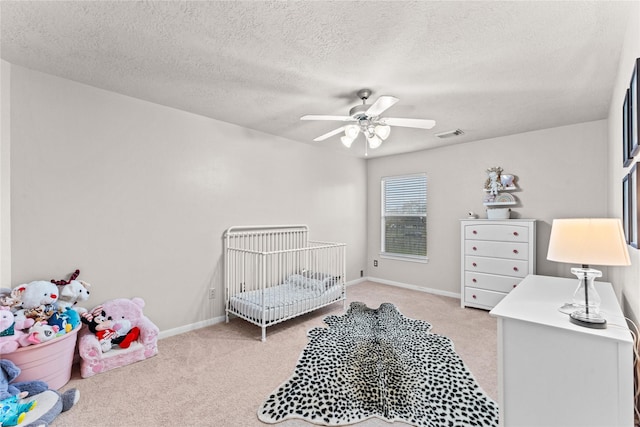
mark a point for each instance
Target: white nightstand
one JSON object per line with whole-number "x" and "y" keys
{"x": 554, "y": 373}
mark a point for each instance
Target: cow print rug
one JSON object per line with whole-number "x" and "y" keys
{"x": 377, "y": 363}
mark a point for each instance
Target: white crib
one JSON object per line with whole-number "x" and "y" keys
{"x": 275, "y": 273}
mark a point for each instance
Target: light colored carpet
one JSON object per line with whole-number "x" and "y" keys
{"x": 220, "y": 375}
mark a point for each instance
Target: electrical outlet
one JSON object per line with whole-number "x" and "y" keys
{"x": 212, "y": 293}
{"x": 375, "y": 262}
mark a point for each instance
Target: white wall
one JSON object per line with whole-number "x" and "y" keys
{"x": 626, "y": 280}
{"x": 561, "y": 172}
{"x": 5, "y": 174}
{"x": 137, "y": 195}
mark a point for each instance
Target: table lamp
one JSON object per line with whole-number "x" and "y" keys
{"x": 587, "y": 241}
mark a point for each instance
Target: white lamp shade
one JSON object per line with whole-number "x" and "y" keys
{"x": 383, "y": 131}
{"x": 374, "y": 142}
{"x": 346, "y": 141}
{"x": 351, "y": 131}
{"x": 587, "y": 241}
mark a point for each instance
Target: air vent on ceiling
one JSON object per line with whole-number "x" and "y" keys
{"x": 450, "y": 133}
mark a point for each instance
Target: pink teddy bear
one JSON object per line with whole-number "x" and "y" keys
{"x": 11, "y": 330}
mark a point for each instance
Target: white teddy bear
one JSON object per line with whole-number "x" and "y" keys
{"x": 34, "y": 294}
{"x": 34, "y": 300}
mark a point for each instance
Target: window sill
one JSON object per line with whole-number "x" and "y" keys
{"x": 409, "y": 258}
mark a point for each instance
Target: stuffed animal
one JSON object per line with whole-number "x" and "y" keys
{"x": 34, "y": 294}
{"x": 9, "y": 372}
{"x": 41, "y": 313}
{"x": 66, "y": 321}
{"x": 60, "y": 321}
{"x": 6, "y": 299}
{"x": 11, "y": 330}
{"x": 38, "y": 333}
{"x": 72, "y": 291}
{"x": 13, "y": 409}
{"x": 124, "y": 313}
{"x": 125, "y": 334}
{"x": 50, "y": 403}
{"x": 73, "y": 318}
{"x": 98, "y": 323}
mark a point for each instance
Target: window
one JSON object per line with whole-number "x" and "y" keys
{"x": 404, "y": 216}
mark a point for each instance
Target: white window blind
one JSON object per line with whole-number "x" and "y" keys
{"x": 404, "y": 216}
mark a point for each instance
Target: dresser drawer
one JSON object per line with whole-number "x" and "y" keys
{"x": 511, "y": 250}
{"x": 490, "y": 282}
{"x": 508, "y": 233}
{"x": 482, "y": 298}
{"x": 507, "y": 267}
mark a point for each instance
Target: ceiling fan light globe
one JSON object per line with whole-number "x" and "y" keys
{"x": 374, "y": 142}
{"x": 383, "y": 131}
{"x": 346, "y": 141}
{"x": 351, "y": 131}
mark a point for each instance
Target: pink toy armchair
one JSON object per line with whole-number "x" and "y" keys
{"x": 94, "y": 360}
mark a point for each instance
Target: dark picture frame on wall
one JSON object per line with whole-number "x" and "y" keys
{"x": 634, "y": 111}
{"x": 633, "y": 206}
{"x": 626, "y": 134}
{"x": 626, "y": 208}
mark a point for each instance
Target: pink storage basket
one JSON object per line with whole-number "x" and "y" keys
{"x": 50, "y": 362}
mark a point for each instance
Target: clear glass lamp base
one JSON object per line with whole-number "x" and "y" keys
{"x": 585, "y": 309}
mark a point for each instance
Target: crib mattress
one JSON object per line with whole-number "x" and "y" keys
{"x": 283, "y": 301}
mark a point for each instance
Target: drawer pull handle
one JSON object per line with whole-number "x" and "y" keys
{"x": 515, "y": 251}
{"x": 474, "y": 248}
{"x": 515, "y": 233}
{"x": 475, "y": 232}
{"x": 474, "y": 280}
{"x": 515, "y": 268}
{"x": 515, "y": 285}
{"x": 474, "y": 264}
{"x": 474, "y": 297}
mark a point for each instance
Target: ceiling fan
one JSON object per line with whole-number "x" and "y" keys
{"x": 366, "y": 118}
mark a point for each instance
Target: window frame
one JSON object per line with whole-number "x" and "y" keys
{"x": 383, "y": 215}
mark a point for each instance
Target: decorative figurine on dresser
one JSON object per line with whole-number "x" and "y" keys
{"x": 498, "y": 252}
{"x": 497, "y": 186}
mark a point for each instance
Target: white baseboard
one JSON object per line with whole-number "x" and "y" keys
{"x": 355, "y": 282}
{"x": 191, "y": 327}
{"x": 414, "y": 287}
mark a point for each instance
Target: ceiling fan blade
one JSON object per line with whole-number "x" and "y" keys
{"x": 408, "y": 123}
{"x": 381, "y": 105}
{"x": 329, "y": 134}
{"x": 334, "y": 118}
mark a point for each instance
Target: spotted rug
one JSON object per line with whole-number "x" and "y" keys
{"x": 377, "y": 363}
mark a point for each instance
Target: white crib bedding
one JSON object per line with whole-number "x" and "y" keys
{"x": 298, "y": 294}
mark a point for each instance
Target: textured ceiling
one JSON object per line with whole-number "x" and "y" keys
{"x": 489, "y": 68}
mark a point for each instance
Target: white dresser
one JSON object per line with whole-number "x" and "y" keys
{"x": 552, "y": 372}
{"x": 496, "y": 256}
